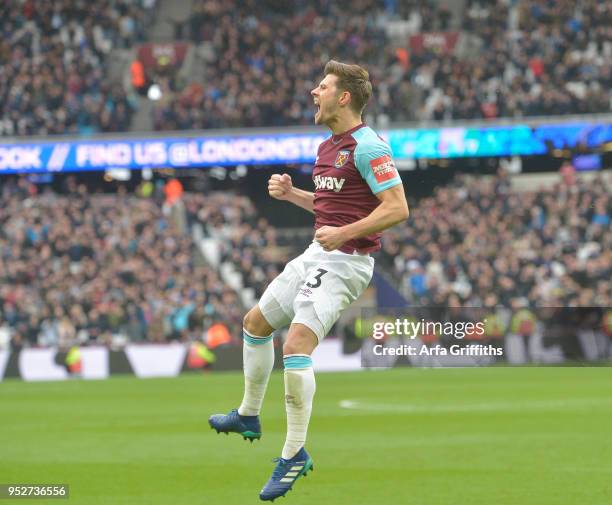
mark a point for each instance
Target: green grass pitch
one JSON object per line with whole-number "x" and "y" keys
{"x": 515, "y": 436}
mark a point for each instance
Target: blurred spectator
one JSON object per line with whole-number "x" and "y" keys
{"x": 138, "y": 77}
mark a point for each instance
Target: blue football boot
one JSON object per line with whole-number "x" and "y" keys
{"x": 247, "y": 426}
{"x": 285, "y": 474}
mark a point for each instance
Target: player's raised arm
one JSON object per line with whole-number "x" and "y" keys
{"x": 281, "y": 187}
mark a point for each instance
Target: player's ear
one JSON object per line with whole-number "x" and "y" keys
{"x": 345, "y": 98}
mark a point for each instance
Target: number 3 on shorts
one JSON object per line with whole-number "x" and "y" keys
{"x": 315, "y": 281}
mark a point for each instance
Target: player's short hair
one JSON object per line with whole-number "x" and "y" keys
{"x": 354, "y": 79}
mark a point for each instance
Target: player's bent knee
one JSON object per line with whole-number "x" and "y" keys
{"x": 256, "y": 324}
{"x": 300, "y": 340}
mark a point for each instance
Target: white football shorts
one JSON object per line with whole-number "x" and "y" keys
{"x": 315, "y": 288}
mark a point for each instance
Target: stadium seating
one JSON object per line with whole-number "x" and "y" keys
{"x": 84, "y": 267}
{"x": 92, "y": 265}
{"x": 512, "y": 59}
{"x": 256, "y": 250}
{"x": 476, "y": 242}
{"x": 533, "y": 58}
{"x": 506, "y": 59}
{"x": 481, "y": 242}
{"x": 54, "y": 65}
{"x": 95, "y": 265}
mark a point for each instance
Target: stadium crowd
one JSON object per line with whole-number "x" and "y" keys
{"x": 265, "y": 62}
{"x": 86, "y": 267}
{"x": 516, "y": 59}
{"x": 257, "y": 251}
{"x": 534, "y": 58}
{"x": 80, "y": 266}
{"x": 480, "y": 242}
{"x": 268, "y": 56}
{"x": 53, "y": 56}
{"x": 476, "y": 242}
{"x": 512, "y": 59}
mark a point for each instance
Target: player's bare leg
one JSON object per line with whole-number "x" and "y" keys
{"x": 258, "y": 360}
{"x": 255, "y": 323}
{"x": 299, "y": 392}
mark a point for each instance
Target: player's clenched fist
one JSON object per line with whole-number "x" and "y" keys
{"x": 279, "y": 186}
{"x": 330, "y": 237}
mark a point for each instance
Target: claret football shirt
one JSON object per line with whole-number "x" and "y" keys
{"x": 350, "y": 169}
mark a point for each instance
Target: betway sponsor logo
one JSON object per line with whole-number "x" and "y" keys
{"x": 332, "y": 183}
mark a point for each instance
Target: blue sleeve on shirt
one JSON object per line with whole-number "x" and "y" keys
{"x": 370, "y": 147}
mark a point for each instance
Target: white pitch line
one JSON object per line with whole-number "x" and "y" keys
{"x": 474, "y": 407}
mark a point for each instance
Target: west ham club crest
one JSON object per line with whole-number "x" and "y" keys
{"x": 341, "y": 158}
